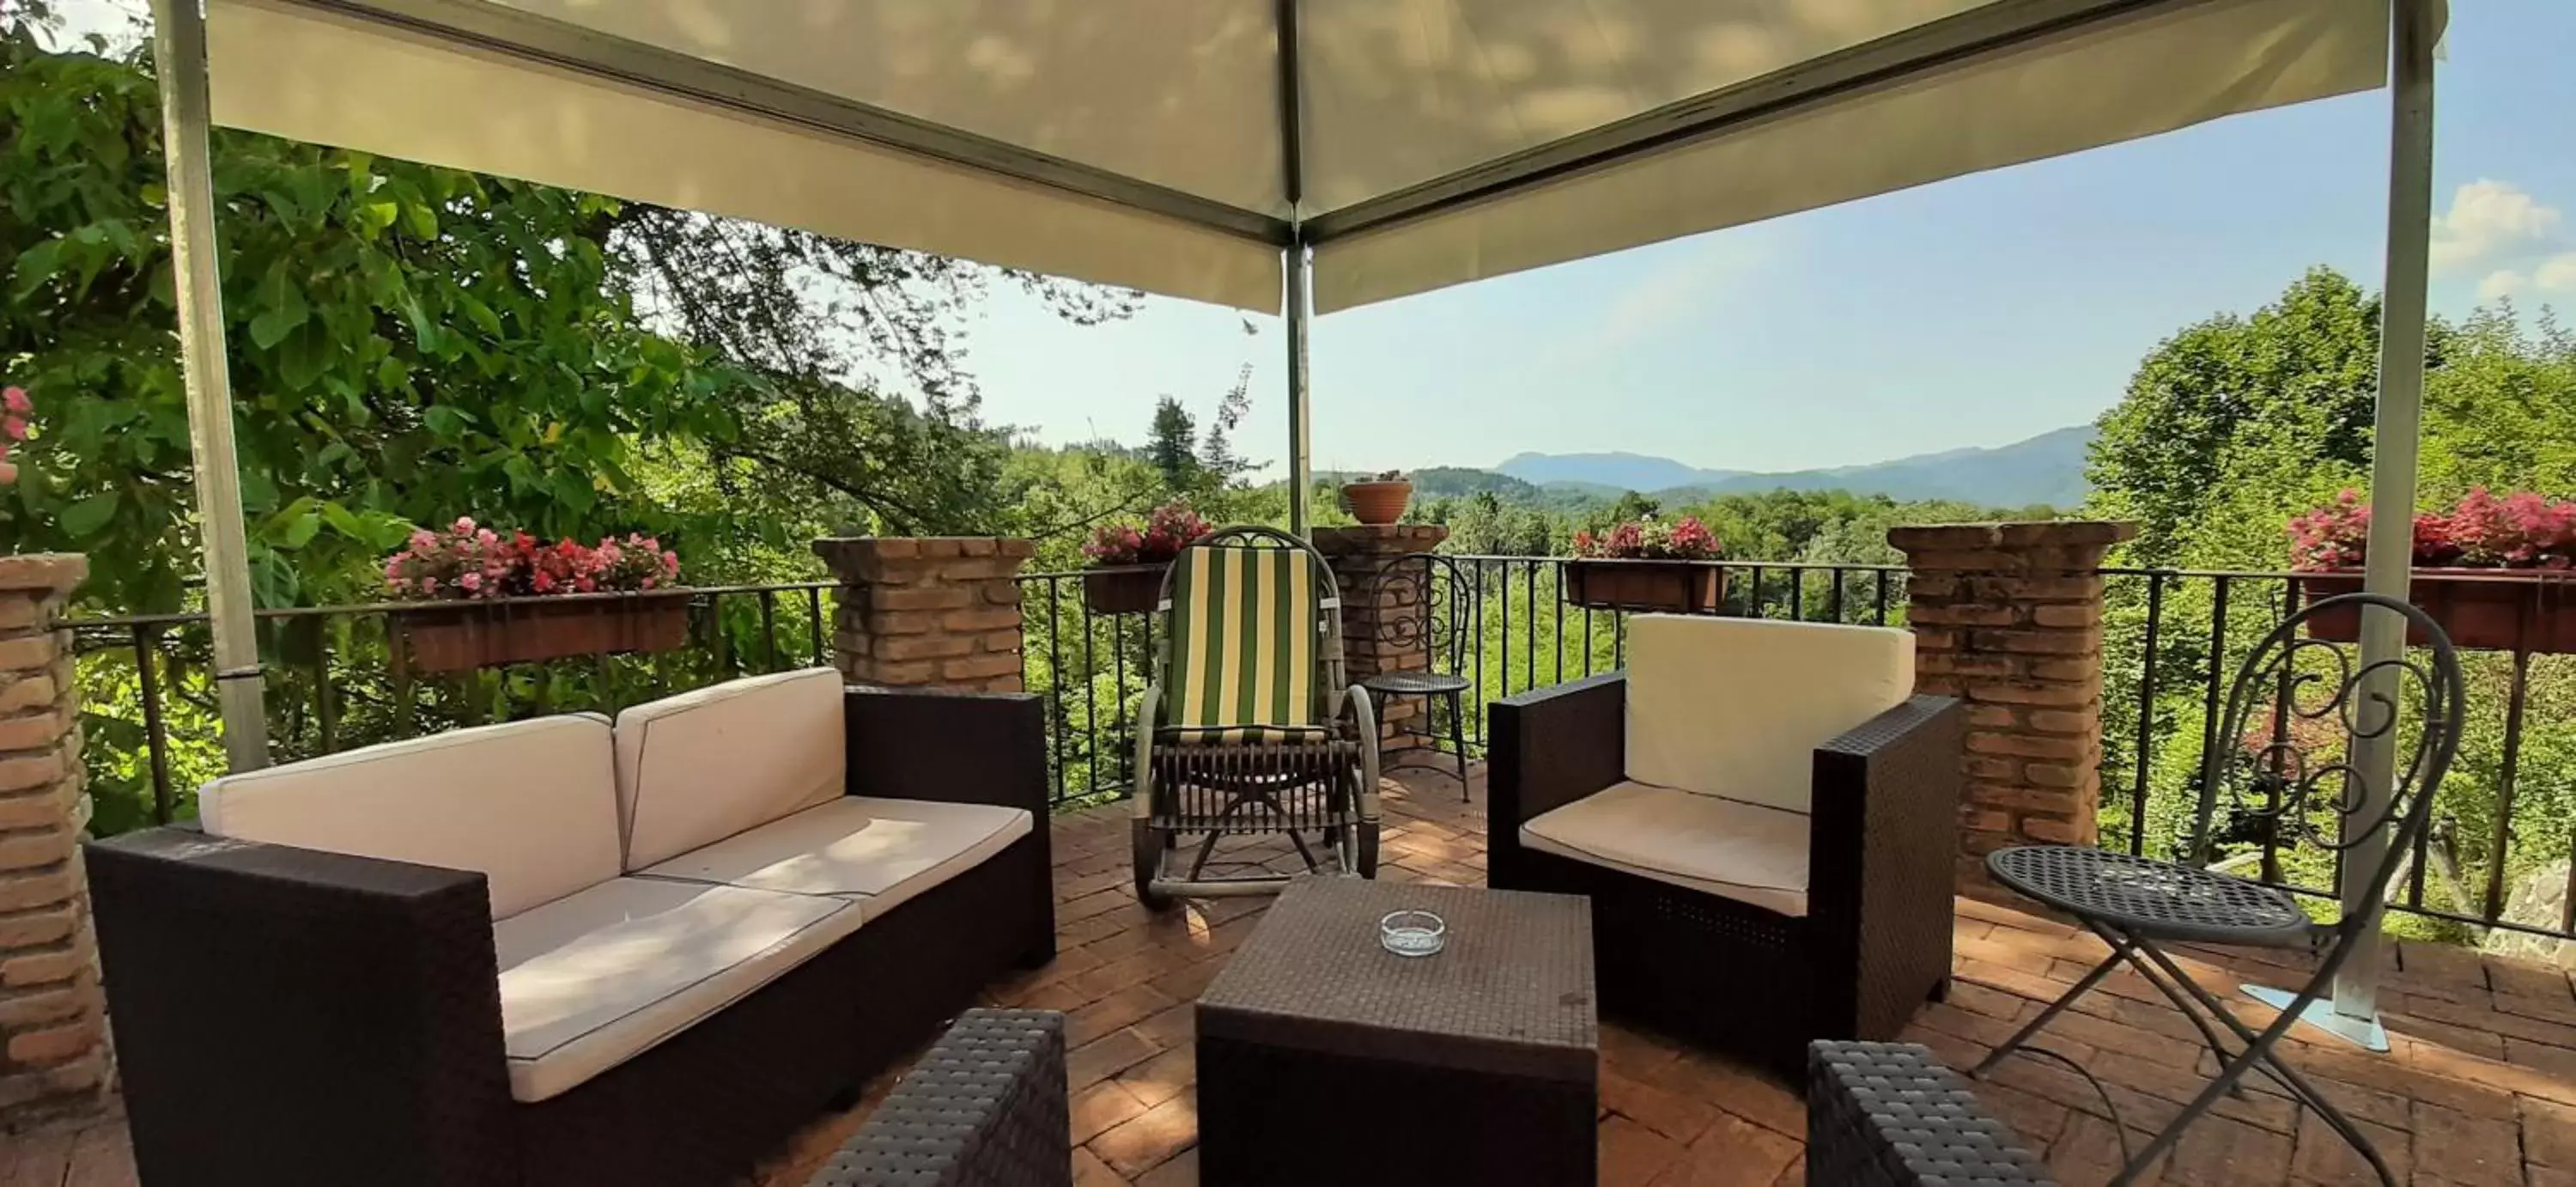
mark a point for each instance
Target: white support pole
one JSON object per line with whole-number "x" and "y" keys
{"x": 179, "y": 54}
{"x": 1300, "y": 430}
{"x": 2393, "y": 452}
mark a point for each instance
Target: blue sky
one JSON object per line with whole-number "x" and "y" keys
{"x": 1973, "y": 312}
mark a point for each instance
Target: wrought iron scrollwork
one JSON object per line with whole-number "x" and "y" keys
{"x": 2289, "y": 774}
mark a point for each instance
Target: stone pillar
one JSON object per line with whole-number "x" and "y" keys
{"x": 928, "y": 611}
{"x": 2008, "y": 617}
{"x": 1357, "y": 554}
{"x": 53, "y": 1024}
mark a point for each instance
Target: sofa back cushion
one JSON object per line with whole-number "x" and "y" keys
{"x": 530, "y": 804}
{"x": 701, "y": 766}
{"x": 1736, "y": 707}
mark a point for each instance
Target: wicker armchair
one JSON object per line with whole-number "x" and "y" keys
{"x": 1764, "y": 818}
{"x": 985, "y": 1107}
{"x": 1889, "y": 1115}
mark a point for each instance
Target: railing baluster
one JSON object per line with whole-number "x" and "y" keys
{"x": 1056, "y": 718}
{"x": 147, "y": 645}
{"x": 1797, "y": 594}
{"x": 1834, "y": 604}
{"x": 1882, "y": 597}
{"x": 326, "y": 721}
{"x": 2209, "y": 740}
{"x": 2516, "y": 693}
{"x": 769, "y": 630}
{"x": 2146, "y": 712}
{"x": 814, "y": 623}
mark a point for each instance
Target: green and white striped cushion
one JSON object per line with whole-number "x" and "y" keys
{"x": 1240, "y": 642}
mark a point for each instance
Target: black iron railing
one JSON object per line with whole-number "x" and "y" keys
{"x": 2496, "y": 858}
{"x": 335, "y": 681}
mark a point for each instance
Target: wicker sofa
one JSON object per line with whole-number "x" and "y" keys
{"x": 1764, "y": 817}
{"x": 563, "y": 951}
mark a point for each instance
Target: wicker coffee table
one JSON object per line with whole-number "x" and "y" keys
{"x": 1324, "y": 1058}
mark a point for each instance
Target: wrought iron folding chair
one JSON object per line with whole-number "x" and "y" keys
{"x": 2277, "y": 787}
{"x": 1252, "y": 725}
{"x": 1417, "y": 610}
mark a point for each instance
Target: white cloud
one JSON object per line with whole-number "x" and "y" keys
{"x": 2557, "y": 274}
{"x": 2491, "y": 221}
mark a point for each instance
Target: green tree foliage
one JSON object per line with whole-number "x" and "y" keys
{"x": 1172, "y": 445}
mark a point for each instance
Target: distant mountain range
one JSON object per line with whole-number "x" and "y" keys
{"x": 2048, "y": 468}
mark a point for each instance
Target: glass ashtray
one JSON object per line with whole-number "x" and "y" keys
{"x": 1412, "y": 933}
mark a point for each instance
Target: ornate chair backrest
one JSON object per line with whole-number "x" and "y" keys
{"x": 2298, "y": 707}
{"x": 1419, "y": 604}
{"x": 1252, "y": 638}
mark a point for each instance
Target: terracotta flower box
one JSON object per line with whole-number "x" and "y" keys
{"x": 1122, "y": 589}
{"x": 462, "y": 636}
{"x": 2481, "y": 609}
{"x": 1684, "y": 587}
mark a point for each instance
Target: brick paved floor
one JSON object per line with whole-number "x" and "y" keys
{"x": 2480, "y": 1091}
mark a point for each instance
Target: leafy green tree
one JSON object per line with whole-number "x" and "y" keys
{"x": 1171, "y": 445}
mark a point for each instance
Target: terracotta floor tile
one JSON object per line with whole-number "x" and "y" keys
{"x": 1090, "y": 1171}
{"x": 1163, "y": 1077}
{"x": 2470, "y": 1151}
{"x": 1671, "y": 1114}
{"x": 1733, "y": 1152}
{"x": 1105, "y": 1104}
{"x": 2324, "y": 1157}
{"x": 1107, "y": 1056}
{"x": 1632, "y": 1155}
{"x": 1151, "y": 1138}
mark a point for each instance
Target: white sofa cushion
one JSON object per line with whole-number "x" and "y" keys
{"x": 1736, "y": 707}
{"x": 593, "y": 980}
{"x": 881, "y": 851}
{"x": 1747, "y": 852}
{"x": 701, "y": 766}
{"x": 532, "y": 805}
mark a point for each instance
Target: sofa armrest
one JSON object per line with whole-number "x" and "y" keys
{"x": 286, "y": 1015}
{"x": 953, "y": 747}
{"x": 985, "y": 1107}
{"x": 1549, "y": 747}
{"x": 1882, "y": 860}
{"x": 1889, "y": 1115}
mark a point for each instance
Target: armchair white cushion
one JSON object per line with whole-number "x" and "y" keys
{"x": 532, "y": 805}
{"x": 1736, "y": 707}
{"x": 704, "y": 765}
{"x": 881, "y": 852}
{"x": 590, "y": 981}
{"x": 1747, "y": 852}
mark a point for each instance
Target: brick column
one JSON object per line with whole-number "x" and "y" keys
{"x": 53, "y": 1026}
{"x": 1356, "y": 554}
{"x": 928, "y": 611}
{"x": 2008, "y": 617}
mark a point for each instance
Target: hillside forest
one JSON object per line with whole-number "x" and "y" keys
{"x": 413, "y": 344}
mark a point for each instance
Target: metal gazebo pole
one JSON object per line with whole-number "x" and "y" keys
{"x": 1300, "y": 430}
{"x": 179, "y": 52}
{"x": 1300, "y": 274}
{"x": 2354, "y": 1012}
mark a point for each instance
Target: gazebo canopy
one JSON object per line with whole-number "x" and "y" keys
{"x": 1178, "y": 146}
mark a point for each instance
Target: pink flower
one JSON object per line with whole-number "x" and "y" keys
{"x": 15, "y": 426}
{"x": 463, "y": 524}
{"x": 15, "y": 399}
{"x": 471, "y": 581}
{"x": 422, "y": 540}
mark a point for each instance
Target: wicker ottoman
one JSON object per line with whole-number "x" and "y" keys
{"x": 1889, "y": 1115}
{"x": 1324, "y": 1058}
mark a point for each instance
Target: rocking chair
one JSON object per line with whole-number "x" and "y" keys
{"x": 1250, "y": 726}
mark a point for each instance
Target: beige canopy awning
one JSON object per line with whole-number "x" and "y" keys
{"x": 1178, "y": 146}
